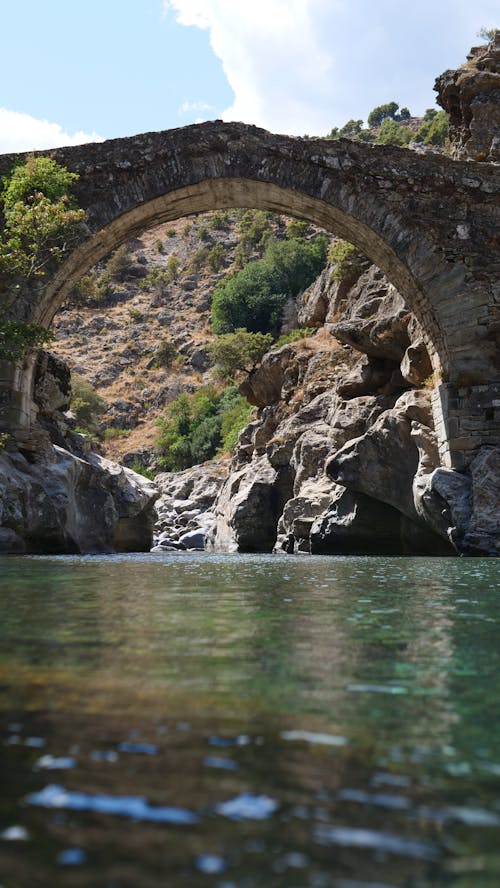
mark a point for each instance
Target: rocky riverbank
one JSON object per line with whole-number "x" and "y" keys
{"x": 342, "y": 457}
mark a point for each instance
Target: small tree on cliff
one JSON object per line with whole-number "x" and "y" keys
{"x": 40, "y": 217}
{"x": 41, "y": 221}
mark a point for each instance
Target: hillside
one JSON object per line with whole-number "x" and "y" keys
{"x": 139, "y": 327}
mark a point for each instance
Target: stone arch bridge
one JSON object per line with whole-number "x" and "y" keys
{"x": 430, "y": 223}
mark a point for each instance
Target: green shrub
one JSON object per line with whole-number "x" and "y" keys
{"x": 346, "y": 257}
{"x": 392, "y": 133}
{"x": 159, "y": 246}
{"x": 113, "y": 432}
{"x": 297, "y": 228}
{"x": 139, "y": 469}
{"x": 255, "y": 229}
{"x": 165, "y": 354}
{"x": 198, "y": 260}
{"x": 119, "y": 265}
{"x": 156, "y": 279}
{"x": 191, "y": 429}
{"x": 254, "y": 297}
{"x": 86, "y": 404}
{"x": 235, "y": 412}
{"x": 170, "y": 232}
{"x": 203, "y": 233}
{"x": 240, "y": 350}
{"x": 294, "y": 336}
{"x": 173, "y": 267}
{"x": 220, "y": 220}
{"x": 216, "y": 258}
{"x": 135, "y": 314}
{"x": 434, "y": 130}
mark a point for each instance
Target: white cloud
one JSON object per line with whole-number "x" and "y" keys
{"x": 22, "y": 132}
{"x": 306, "y": 65}
{"x": 189, "y": 107}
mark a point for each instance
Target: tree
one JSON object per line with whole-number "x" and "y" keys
{"x": 381, "y": 112}
{"x": 254, "y": 297}
{"x": 392, "y": 133}
{"x": 434, "y": 130}
{"x": 487, "y": 33}
{"x": 191, "y": 429}
{"x": 18, "y": 337}
{"x": 41, "y": 219}
{"x": 240, "y": 350}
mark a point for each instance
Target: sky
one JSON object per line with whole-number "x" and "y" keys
{"x": 73, "y": 71}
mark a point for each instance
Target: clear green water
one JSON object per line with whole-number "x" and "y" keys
{"x": 241, "y": 721}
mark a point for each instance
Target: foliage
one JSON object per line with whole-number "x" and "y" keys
{"x": 298, "y": 262}
{"x": 255, "y": 296}
{"x": 487, "y": 33}
{"x": 139, "y": 469}
{"x": 165, "y": 354}
{"x": 255, "y": 229}
{"x": 190, "y": 431}
{"x": 297, "y": 228}
{"x": 4, "y": 440}
{"x": 294, "y": 336}
{"x": 434, "y": 131}
{"x": 119, "y": 264}
{"x": 157, "y": 279}
{"x": 198, "y": 260}
{"x": 235, "y": 416}
{"x": 39, "y": 175}
{"x": 349, "y": 131}
{"x": 40, "y": 218}
{"x": 173, "y": 267}
{"x": 240, "y": 350}
{"x": 86, "y": 404}
{"x": 17, "y": 338}
{"x": 347, "y": 259}
{"x": 220, "y": 220}
{"x": 382, "y": 112}
{"x": 216, "y": 258}
{"x": 392, "y": 133}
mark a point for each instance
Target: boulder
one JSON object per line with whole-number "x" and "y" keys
{"x": 67, "y": 504}
{"x": 248, "y": 508}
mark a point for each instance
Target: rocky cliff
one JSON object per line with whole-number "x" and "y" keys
{"x": 63, "y": 496}
{"x": 471, "y": 96}
{"x": 342, "y": 455}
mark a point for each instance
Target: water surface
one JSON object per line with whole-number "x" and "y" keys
{"x": 249, "y": 721}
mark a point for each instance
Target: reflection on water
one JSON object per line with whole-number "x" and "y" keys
{"x": 245, "y": 721}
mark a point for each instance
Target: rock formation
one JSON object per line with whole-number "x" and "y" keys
{"x": 471, "y": 96}
{"x": 342, "y": 457}
{"x": 66, "y": 497}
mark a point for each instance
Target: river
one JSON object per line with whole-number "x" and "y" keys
{"x": 243, "y": 721}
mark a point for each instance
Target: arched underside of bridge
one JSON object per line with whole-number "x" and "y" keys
{"x": 430, "y": 224}
{"x": 227, "y": 193}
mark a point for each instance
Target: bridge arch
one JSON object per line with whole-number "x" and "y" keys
{"x": 429, "y": 223}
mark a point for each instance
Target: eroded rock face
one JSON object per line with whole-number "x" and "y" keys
{"x": 471, "y": 96}
{"x": 248, "y": 509}
{"x": 67, "y": 504}
{"x": 349, "y": 449}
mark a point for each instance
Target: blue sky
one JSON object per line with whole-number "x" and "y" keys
{"x": 71, "y": 71}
